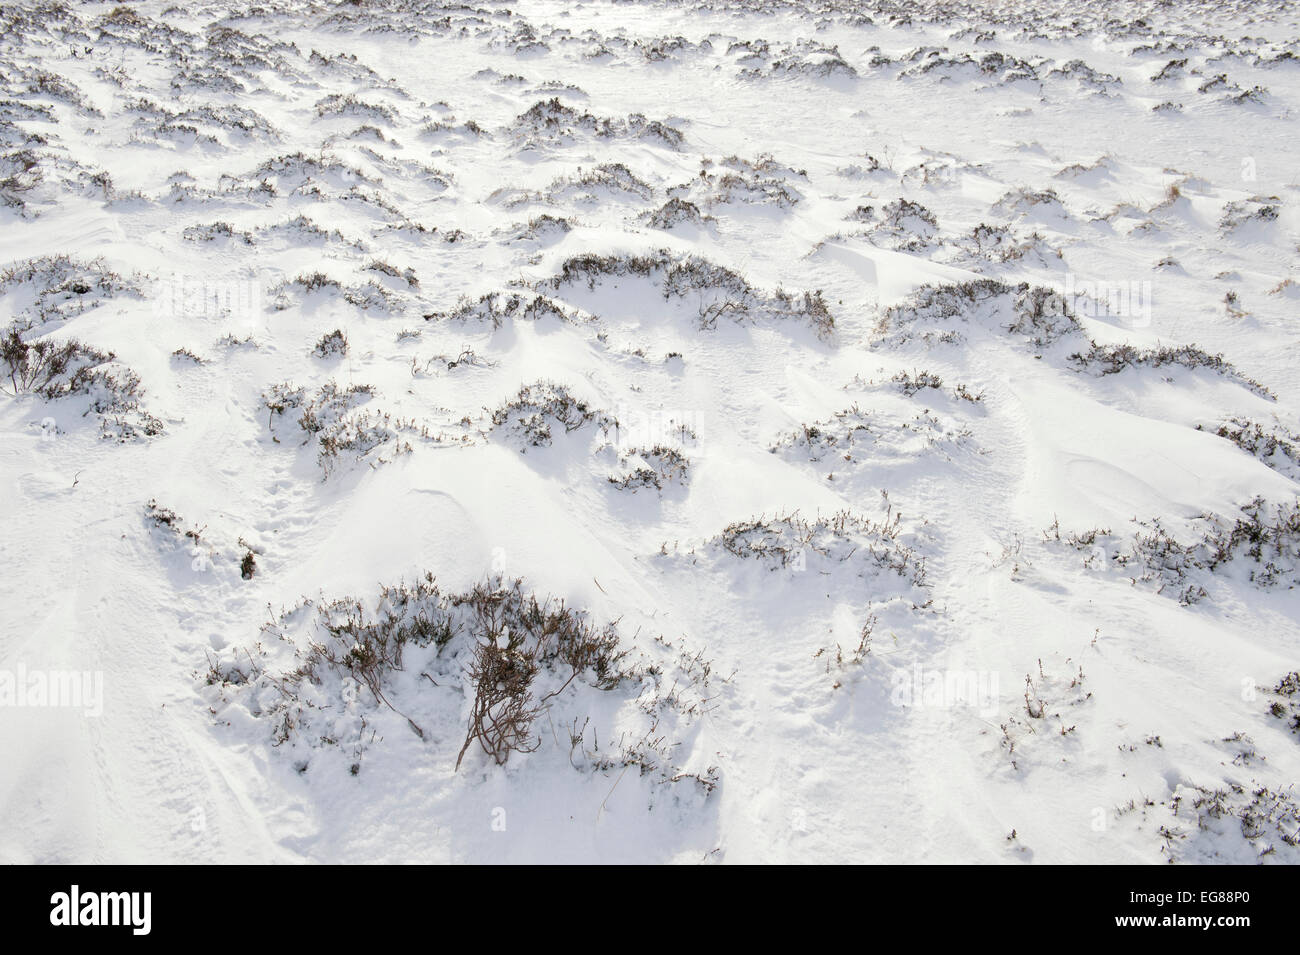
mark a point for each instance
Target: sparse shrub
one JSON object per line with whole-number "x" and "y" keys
{"x": 216, "y": 230}
{"x": 499, "y": 307}
{"x": 1240, "y": 212}
{"x": 660, "y": 466}
{"x": 542, "y": 405}
{"x": 1000, "y": 244}
{"x": 1276, "y": 447}
{"x": 334, "y": 420}
{"x": 552, "y": 122}
{"x": 1231, "y": 823}
{"x": 909, "y": 383}
{"x": 47, "y": 367}
{"x": 721, "y": 291}
{"x": 787, "y": 539}
{"x": 853, "y": 436}
{"x": 545, "y": 225}
{"x": 60, "y": 370}
{"x": 907, "y": 226}
{"x": 421, "y": 655}
{"x": 331, "y": 344}
{"x": 611, "y": 177}
{"x": 315, "y": 281}
{"x": 1262, "y": 542}
{"x": 62, "y": 286}
{"x": 1286, "y": 706}
{"x": 1112, "y": 359}
{"x": 1023, "y": 201}
{"x": 340, "y": 104}
{"x": 675, "y": 212}
{"x": 406, "y": 275}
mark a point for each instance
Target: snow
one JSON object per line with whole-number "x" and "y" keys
{"x": 786, "y": 445}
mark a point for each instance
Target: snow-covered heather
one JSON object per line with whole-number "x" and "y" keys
{"x": 735, "y": 431}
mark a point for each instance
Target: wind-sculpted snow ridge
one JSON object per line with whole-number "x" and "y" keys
{"x": 788, "y": 539}
{"x": 768, "y": 418}
{"x": 853, "y": 436}
{"x": 1040, "y": 317}
{"x": 718, "y": 291}
{"x": 1263, "y": 544}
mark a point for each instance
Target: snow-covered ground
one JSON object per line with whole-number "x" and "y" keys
{"x": 740, "y": 431}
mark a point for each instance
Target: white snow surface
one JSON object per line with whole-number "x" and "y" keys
{"x": 803, "y": 364}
